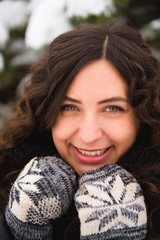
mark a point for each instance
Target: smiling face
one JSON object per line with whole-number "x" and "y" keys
{"x": 96, "y": 124}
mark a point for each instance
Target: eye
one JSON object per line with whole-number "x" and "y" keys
{"x": 68, "y": 107}
{"x": 114, "y": 109}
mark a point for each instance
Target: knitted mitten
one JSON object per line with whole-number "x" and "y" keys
{"x": 110, "y": 205}
{"x": 43, "y": 191}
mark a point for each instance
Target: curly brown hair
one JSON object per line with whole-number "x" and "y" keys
{"x": 125, "y": 49}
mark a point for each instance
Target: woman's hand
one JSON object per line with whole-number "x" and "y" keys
{"x": 111, "y": 205}
{"x": 43, "y": 191}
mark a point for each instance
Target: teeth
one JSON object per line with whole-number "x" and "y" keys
{"x": 92, "y": 153}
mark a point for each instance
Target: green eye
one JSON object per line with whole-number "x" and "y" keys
{"x": 114, "y": 109}
{"x": 68, "y": 107}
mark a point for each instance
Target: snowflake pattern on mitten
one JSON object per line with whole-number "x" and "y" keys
{"x": 39, "y": 200}
{"x": 43, "y": 191}
{"x": 110, "y": 200}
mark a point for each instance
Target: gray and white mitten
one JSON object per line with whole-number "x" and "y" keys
{"x": 43, "y": 191}
{"x": 110, "y": 205}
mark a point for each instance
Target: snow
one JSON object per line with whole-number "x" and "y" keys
{"x": 46, "y": 22}
{"x": 4, "y": 34}
{"x": 47, "y": 18}
{"x": 155, "y": 24}
{"x": 26, "y": 58}
{"x": 85, "y": 7}
{"x": 1, "y": 62}
{"x": 149, "y": 30}
{"x": 13, "y": 14}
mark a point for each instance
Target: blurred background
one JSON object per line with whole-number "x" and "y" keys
{"x": 28, "y": 26}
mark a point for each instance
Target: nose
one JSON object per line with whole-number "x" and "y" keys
{"x": 90, "y": 130}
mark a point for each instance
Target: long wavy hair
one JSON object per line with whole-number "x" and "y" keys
{"x": 124, "y": 48}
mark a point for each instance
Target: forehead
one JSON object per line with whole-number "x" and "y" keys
{"x": 99, "y": 77}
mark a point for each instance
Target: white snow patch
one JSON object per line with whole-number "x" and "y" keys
{"x": 1, "y": 62}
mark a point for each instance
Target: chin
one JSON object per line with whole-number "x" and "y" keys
{"x": 81, "y": 170}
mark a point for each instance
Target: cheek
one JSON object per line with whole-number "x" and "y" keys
{"x": 58, "y": 141}
{"x": 123, "y": 133}
{"x": 61, "y": 134}
{"x": 62, "y": 130}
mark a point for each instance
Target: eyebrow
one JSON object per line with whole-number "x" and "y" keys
{"x": 112, "y": 99}
{"x": 71, "y": 99}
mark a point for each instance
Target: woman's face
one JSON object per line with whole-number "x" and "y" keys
{"x": 96, "y": 124}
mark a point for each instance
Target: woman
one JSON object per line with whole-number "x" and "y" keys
{"x": 93, "y": 101}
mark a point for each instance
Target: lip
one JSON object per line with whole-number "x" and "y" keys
{"x": 92, "y": 159}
